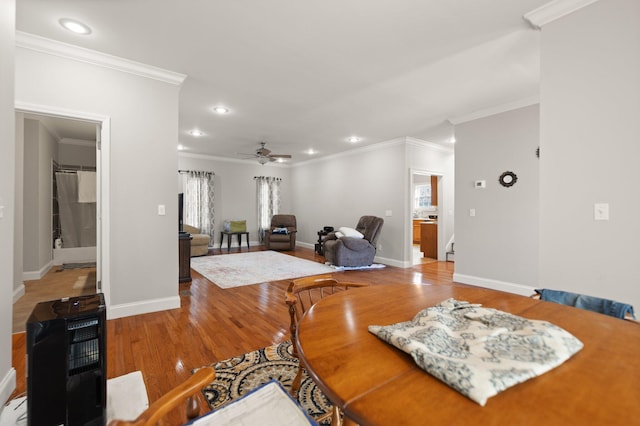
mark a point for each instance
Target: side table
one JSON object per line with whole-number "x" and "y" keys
{"x": 320, "y": 244}
{"x": 229, "y": 234}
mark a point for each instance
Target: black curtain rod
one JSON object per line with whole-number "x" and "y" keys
{"x": 270, "y": 177}
{"x": 197, "y": 171}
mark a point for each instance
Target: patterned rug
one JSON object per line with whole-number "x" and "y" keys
{"x": 234, "y": 270}
{"x": 238, "y": 375}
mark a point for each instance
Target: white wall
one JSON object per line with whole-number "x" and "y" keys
{"x": 498, "y": 247}
{"x": 141, "y": 271}
{"x": 590, "y": 133}
{"x": 235, "y": 190}
{"x": 7, "y": 177}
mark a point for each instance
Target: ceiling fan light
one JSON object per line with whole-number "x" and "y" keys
{"x": 263, "y": 160}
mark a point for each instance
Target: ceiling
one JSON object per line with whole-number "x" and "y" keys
{"x": 304, "y": 75}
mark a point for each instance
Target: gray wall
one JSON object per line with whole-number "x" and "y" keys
{"x": 235, "y": 189}
{"x": 590, "y": 142}
{"x": 337, "y": 190}
{"x": 7, "y": 177}
{"x": 141, "y": 270}
{"x": 334, "y": 191}
{"x": 40, "y": 148}
{"x": 76, "y": 153}
{"x": 498, "y": 247}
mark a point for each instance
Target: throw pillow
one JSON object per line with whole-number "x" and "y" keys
{"x": 350, "y": 232}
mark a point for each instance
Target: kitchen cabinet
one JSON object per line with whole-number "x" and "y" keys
{"x": 429, "y": 239}
{"x": 416, "y": 230}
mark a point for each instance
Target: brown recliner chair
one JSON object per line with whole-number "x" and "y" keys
{"x": 275, "y": 238}
{"x": 353, "y": 251}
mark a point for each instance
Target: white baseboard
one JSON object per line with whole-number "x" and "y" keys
{"x": 144, "y": 307}
{"x": 7, "y": 385}
{"x": 18, "y": 293}
{"x": 523, "y": 290}
{"x": 37, "y": 275}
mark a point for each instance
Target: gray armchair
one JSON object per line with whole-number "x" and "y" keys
{"x": 281, "y": 241}
{"x": 352, "y": 251}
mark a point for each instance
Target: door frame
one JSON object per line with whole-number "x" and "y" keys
{"x": 103, "y": 145}
{"x": 441, "y": 217}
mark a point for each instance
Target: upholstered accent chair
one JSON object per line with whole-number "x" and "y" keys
{"x": 276, "y": 238}
{"x": 199, "y": 242}
{"x": 343, "y": 249}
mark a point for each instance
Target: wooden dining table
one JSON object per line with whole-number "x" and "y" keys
{"x": 377, "y": 384}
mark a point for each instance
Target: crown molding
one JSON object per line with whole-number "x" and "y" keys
{"x": 81, "y": 54}
{"x": 497, "y": 109}
{"x": 430, "y": 145}
{"x": 553, "y": 10}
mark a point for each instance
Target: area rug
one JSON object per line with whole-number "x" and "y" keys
{"x": 238, "y": 375}
{"x": 234, "y": 270}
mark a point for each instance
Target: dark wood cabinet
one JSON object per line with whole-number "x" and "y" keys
{"x": 184, "y": 257}
{"x": 429, "y": 239}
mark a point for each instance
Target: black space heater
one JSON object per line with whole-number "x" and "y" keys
{"x": 66, "y": 362}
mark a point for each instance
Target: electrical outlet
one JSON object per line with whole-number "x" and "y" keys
{"x": 472, "y": 212}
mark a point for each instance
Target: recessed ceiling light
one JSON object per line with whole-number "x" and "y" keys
{"x": 181, "y": 147}
{"x": 354, "y": 139}
{"x": 75, "y": 26}
{"x": 452, "y": 140}
{"x": 196, "y": 133}
{"x": 221, "y": 110}
{"x": 310, "y": 151}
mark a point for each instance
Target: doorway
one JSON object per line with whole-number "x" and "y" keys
{"x": 68, "y": 142}
{"x": 426, "y": 226}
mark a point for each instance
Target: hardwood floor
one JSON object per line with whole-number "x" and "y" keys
{"x": 213, "y": 324}
{"x": 56, "y": 284}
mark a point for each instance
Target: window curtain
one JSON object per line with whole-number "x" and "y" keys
{"x": 198, "y": 201}
{"x": 77, "y": 220}
{"x": 268, "y": 201}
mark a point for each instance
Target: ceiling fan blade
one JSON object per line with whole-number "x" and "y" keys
{"x": 280, "y": 156}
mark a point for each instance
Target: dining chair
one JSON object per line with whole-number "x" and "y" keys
{"x": 186, "y": 391}
{"x": 301, "y": 295}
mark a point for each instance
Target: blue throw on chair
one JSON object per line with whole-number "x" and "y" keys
{"x": 590, "y": 303}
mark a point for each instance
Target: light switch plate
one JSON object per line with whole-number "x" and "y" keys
{"x": 601, "y": 211}
{"x": 161, "y": 210}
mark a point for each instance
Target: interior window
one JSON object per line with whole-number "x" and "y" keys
{"x": 422, "y": 196}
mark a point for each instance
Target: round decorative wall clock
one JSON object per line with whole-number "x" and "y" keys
{"x": 508, "y": 179}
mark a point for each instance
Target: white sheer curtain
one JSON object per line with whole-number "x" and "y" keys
{"x": 198, "y": 201}
{"x": 268, "y": 201}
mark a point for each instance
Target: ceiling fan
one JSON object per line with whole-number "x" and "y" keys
{"x": 264, "y": 155}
